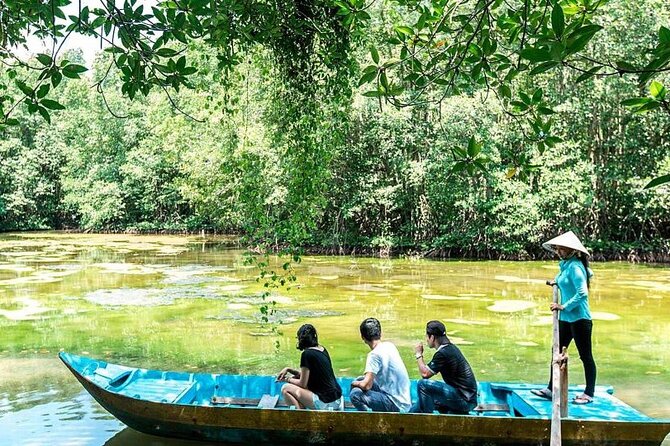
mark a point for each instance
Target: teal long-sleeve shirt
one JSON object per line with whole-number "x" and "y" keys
{"x": 571, "y": 281}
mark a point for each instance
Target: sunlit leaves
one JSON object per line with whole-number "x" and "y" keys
{"x": 657, "y": 90}
{"x": 655, "y": 100}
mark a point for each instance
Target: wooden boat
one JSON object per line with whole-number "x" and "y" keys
{"x": 246, "y": 409}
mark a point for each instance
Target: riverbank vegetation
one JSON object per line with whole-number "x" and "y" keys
{"x": 293, "y": 149}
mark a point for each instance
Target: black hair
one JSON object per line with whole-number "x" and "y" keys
{"x": 437, "y": 329}
{"x": 307, "y": 337}
{"x": 585, "y": 261}
{"x": 371, "y": 329}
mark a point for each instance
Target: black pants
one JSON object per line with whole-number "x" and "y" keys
{"x": 580, "y": 331}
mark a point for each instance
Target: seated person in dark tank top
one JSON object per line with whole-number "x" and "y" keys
{"x": 313, "y": 386}
{"x": 458, "y": 391}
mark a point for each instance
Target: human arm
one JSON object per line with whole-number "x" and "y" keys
{"x": 554, "y": 305}
{"x": 300, "y": 379}
{"x": 365, "y": 383}
{"x": 283, "y": 375}
{"x": 424, "y": 370}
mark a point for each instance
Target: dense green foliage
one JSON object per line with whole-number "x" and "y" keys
{"x": 276, "y": 142}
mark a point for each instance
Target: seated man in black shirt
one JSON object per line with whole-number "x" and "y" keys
{"x": 313, "y": 386}
{"x": 458, "y": 392}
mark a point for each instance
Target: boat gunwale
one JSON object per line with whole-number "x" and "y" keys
{"x": 158, "y": 418}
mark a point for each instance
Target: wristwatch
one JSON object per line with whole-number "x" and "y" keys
{"x": 417, "y": 356}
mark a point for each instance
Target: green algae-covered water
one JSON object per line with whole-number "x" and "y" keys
{"x": 188, "y": 303}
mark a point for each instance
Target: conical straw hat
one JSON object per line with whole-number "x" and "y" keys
{"x": 568, "y": 240}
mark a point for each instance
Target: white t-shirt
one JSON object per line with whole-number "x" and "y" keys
{"x": 390, "y": 374}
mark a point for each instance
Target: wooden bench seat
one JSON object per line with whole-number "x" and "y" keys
{"x": 259, "y": 402}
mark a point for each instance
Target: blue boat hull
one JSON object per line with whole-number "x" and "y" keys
{"x": 174, "y": 404}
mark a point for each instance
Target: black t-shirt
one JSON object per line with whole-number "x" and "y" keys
{"x": 455, "y": 370}
{"x": 321, "y": 377}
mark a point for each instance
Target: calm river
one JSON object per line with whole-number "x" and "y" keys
{"x": 184, "y": 303}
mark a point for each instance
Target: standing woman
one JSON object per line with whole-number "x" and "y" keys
{"x": 575, "y": 322}
{"x": 313, "y": 386}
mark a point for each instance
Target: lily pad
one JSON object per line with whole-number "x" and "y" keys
{"x": 542, "y": 320}
{"x": 192, "y": 274}
{"x": 232, "y": 288}
{"x": 47, "y": 259}
{"x": 367, "y": 287}
{"x": 329, "y": 271}
{"x": 603, "y": 316}
{"x": 515, "y": 279}
{"x": 171, "y": 251}
{"x": 148, "y": 297}
{"x": 32, "y": 279}
{"x": 279, "y": 316}
{"x": 466, "y": 322}
{"x": 128, "y": 297}
{"x": 645, "y": 285}
{"x": 18, "y": 254}
{"x": 124, "y": 268}
{"x": 460, "y": 341}
{"x": 16, "y": 268}
{"x": 31, "y": 310}
{"x": 511, "y": 306}
{"x": 444, "y": 297}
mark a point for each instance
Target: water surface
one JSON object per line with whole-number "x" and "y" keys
{"x": 186, "y": 303}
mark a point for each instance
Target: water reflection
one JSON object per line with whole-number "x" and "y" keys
{"x": 40, "y": 418}
{"x": 129, "y": 436}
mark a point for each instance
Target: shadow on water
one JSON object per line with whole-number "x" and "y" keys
{"x": 129, "y": 436}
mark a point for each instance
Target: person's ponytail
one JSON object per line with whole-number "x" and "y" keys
{"x": 585, "y": 261}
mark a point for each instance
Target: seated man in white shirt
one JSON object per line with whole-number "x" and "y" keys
{"x": 385, "y": 386}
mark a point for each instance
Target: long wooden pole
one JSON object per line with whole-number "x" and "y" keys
{"x": 564, "y": 383}
{"x": 555, "y": 379}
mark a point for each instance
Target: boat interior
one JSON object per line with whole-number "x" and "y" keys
{"x": 263, "y": 392}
